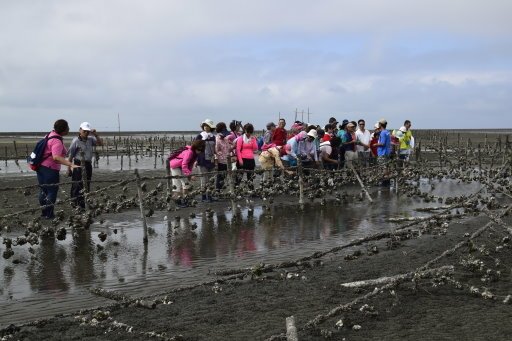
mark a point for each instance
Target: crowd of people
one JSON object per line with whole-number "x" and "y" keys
{"x": 333, "y": 146}
{"x": 216, "y": 148}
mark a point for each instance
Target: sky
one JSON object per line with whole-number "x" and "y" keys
{"x": 169, "y": 65}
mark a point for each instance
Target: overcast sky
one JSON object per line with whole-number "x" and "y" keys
{"x": 168, "y": 65}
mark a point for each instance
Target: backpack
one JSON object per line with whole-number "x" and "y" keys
{"x": 173, "y": 155}
{"x": 35, "y": 158}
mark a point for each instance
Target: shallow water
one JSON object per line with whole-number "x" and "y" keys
{"x": 113, "y": 164}
{"x": 56, "y": 278}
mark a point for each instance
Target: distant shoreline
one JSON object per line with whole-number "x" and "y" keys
{"x": 192, "y": 132}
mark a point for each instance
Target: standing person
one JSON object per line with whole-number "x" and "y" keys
{"x": 373, "y": 142}
{"x": 349, "y": 143}
{"x": 80, "y": 153}
{"x": 406, "y": 141}
{"x": 329, "y": 132}
{"x": 206, "y": 159}
{"x": 267, "y": 137}
{"x": 246, "y": 145}
{"x": 48, "y": 176}
{"x": 363, "y": 137}
{"x": 341, "y": 133}
{"x": 280, "y": 133}
{"x": 384, "y": 149}
{"x": 223, "y": 150}
{"x": 182, "y": 165}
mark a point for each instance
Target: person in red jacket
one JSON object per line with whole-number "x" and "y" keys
{"x": 280, "y": 134}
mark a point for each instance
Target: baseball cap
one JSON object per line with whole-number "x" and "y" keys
{"x": 85, "y": 126}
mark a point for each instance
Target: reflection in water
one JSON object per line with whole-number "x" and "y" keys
{"x": 82, "y": 262}
{"x": 180, "y": 252}
{"x": 46, "y": 274}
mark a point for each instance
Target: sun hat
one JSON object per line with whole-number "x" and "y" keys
{"x": 403, "y": 129}
{"x": 313, "y": 133}
{"x": 376, "y": 125}
{"x": 209, "y": 123}
{"x": 383, "y": 121}
{"x": 85, "y": 126}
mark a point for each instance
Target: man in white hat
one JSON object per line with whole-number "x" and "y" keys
{"x": 80, "y": 153}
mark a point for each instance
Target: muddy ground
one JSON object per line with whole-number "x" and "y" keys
{"x": 255, "y": 307}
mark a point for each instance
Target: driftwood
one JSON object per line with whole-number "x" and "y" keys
{"x": 436, "y": 208}
{"x": 418, "y": 219}
{"x": 385, "y": 280}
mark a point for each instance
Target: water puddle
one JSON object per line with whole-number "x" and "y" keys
{"x": 55, "y": 277}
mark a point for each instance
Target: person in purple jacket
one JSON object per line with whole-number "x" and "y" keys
{"x": 183, "y": 164}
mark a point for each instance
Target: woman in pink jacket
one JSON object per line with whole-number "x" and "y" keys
{"x": 182, "y": 166}
{"x": 246, "y": 145}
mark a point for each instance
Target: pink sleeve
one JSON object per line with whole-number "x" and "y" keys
{"x": 186, "y": 166}
{"x": 239, "y": 143}
{"x": 254, "y": 144}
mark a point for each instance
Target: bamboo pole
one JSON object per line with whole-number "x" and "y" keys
{"x": 15, "y": 150}
{"x": 361, "y": 183}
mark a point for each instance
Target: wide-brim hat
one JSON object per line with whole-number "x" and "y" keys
{"x": 313, "y": 133}
{"x": 209, "y": 123}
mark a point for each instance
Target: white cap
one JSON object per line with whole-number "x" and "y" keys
{"x": 85, "y": 126}
{"x": 403, "y": 129}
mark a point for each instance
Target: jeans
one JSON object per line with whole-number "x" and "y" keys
{"x": 48, "y": 194}
{"x": 78, "y": 184}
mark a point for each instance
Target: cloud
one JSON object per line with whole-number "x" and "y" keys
{"x": 169, "y": 63}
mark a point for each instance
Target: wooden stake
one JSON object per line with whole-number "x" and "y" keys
{"x": 301, "y": 182}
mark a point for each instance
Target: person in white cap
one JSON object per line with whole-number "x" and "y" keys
{"x": 206, "y": 159}
{"x": 308, "y": 149}
{"x": 80, "y": 153}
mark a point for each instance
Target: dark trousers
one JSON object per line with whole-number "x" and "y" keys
{"x": 219, "y": 183}
{"x": 48, "y": 194}
{"x": 250, "y": 165}
{"x": 77, "y": 186}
